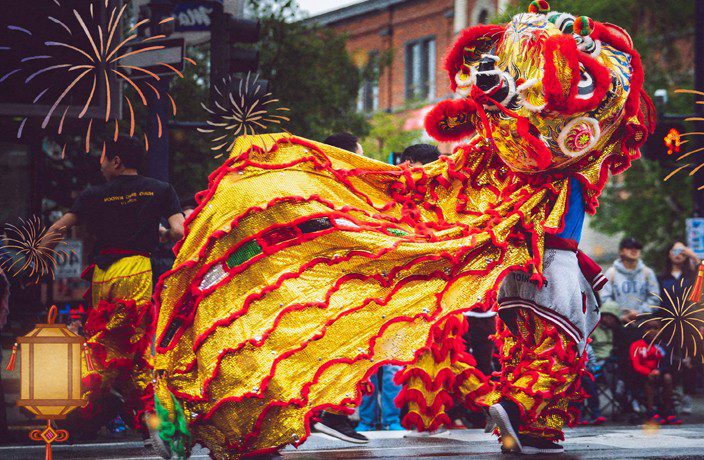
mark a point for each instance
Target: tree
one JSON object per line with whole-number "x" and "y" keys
{"x": 309, "y": 71}
{"x": 387, "y": 136}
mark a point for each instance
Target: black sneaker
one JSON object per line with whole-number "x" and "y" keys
{"x": 340, "y": 427}
{"x": 507, "y": 416}
{"x": 535, "y": 445}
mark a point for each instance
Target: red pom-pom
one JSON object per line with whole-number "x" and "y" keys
{"x": 539, "y": 7}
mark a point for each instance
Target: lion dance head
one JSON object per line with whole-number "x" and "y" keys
{"x": 546, "y": 90}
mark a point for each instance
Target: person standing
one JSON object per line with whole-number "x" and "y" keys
{"x": 632, "y": 285}
{"x": 123, "y": 215}
{"x": 4, "y": 312}
{"x": 679, "y": 274}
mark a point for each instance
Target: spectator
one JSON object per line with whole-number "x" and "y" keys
{"x": 420, "y": 154}
{"x": 653, "y": 375}
{"x": 345, "y": 141}
{"x": 389, "y": 415}
{"x": 4, "y": 311}
{"x": 632, "y": 285}
{"x": 603, "y": 336}
{"x": 679, "y": 274}
{"x": 589, "y": 385}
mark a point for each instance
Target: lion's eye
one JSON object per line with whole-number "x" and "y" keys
{"x": 585, "y": 88}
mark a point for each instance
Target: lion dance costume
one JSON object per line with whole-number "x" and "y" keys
{"x": 305, "y": 268}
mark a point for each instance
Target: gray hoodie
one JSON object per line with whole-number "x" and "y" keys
{"x": 635, "y": 289}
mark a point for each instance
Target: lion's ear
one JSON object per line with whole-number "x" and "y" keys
{"x": 449, "y": 121}
{"x": 617, "y": 32}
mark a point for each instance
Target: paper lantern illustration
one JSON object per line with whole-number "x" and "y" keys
{"x": 50, "y": 376}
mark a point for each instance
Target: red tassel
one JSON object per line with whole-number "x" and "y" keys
{"x": 11, "y": 365}
{"x": 89, "y": 360}
{"x": 696, "y": 295}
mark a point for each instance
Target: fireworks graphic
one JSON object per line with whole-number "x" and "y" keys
{"x": 242, "y": 108}
{"x": 32, "y": 250}
{"x": 680, "y": 142}
{"x": 680, "y": 325}
{"x": 86, "y": 51}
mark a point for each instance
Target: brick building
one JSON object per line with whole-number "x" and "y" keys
{"x": 415, "y": 34}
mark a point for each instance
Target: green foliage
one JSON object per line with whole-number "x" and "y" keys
{"x": 387, "y": 136}
{"x": 309, "y": 71}
{"x": 191, "y": 158}
{"x": 643, "y": 206}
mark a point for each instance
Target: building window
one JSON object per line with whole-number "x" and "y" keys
{"x": 420, "y": 69}
{"x": 368, "y": 97}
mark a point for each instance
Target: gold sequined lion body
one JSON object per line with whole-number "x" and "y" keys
{"x": 305, "y": 268}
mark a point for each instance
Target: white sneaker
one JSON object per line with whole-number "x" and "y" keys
{"x": 686, "y": 407}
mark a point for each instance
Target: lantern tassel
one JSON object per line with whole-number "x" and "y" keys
{"x": 88, "y": 358}
{"x": 11, "y": 365}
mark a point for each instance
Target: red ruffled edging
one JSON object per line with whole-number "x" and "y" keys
{"x": 447, "y": 342}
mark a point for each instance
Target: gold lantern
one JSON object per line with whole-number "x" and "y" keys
{"x": 50, "y": 376}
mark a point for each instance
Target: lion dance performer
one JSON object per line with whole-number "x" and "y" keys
{"x": 305, "y": 268}
{"x": 123, "y": 215}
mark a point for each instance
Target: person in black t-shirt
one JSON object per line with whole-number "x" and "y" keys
{"x": 123, "y": 215}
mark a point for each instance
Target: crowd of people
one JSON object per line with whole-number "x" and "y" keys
{"x": 632, "y": 368}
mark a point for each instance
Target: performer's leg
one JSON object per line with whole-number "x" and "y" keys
{"x": 390, "y": 413}
{"x": 118, "y": 333}
{"x": 369, "y": 409}
{"x": 541, "y": 370}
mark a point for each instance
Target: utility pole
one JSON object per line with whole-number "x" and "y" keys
{"x": 698, "y": 141}
{"x": 156, "y": 164}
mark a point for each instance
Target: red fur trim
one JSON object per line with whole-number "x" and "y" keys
{"x": 538, "y": 151}
{"x": 468, "y": 38}
{"x": 517, "y": 365}
{"x": 406, "y": 193}
{"x": 437, "y": 122}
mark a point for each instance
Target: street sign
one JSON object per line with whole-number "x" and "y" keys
{"x": 70, "y": 264}
{"x": 695, "y": 235}
{"x": 163, "y": 57}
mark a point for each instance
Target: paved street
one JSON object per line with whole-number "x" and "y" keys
{"x": 631, "y": 442}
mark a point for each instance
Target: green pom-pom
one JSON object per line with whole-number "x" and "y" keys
{"x": 539, "y": 7}
{"x": 583, "y": 25}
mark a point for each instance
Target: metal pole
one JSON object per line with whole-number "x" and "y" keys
{"x": 156, "y": 164}
{"x": 698, "y": 141}
{"x": 219, "y": 48}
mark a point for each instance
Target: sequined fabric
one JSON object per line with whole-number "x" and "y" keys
{"x": 119, "y": 329}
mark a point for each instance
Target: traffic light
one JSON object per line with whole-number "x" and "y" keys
{"x": 226, "y": 56}
{"x": 665, "y": 144}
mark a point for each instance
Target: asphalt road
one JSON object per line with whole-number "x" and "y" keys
{"x": 613, "y": 442}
